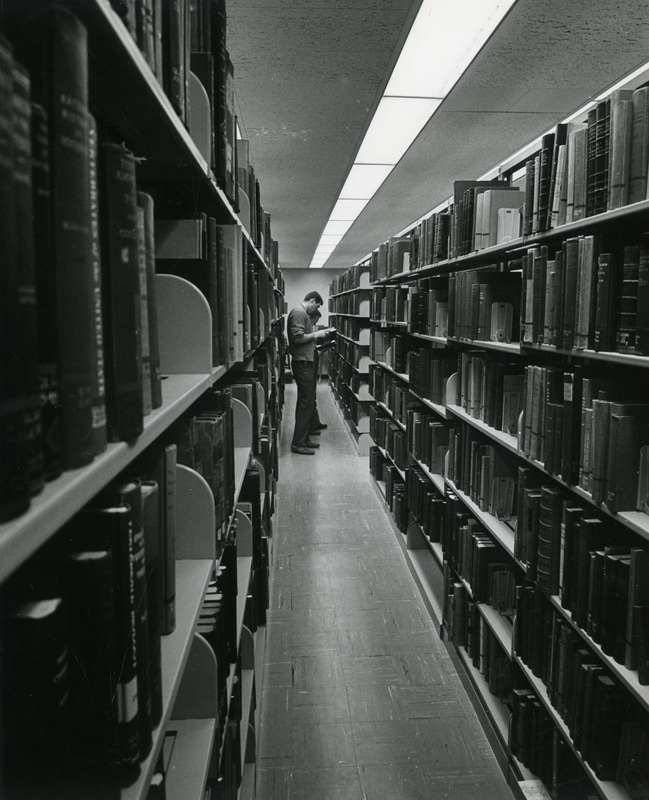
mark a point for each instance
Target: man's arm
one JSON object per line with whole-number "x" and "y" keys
{"x": 297, "y": 329}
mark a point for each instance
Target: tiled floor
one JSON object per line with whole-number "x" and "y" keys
{"x": 361, "y": 700}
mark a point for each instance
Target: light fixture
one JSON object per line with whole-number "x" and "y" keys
{"x": 443, "y": 40}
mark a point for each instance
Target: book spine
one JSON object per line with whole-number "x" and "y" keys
{"x": 60, "y": 76}
{"x": 45, "y": 293}
{"x": 99, "y": 424}
{"x": 628, "y": 304}
{"x": 32, "y": 416}
{"x": 146, "y": 202}
{"x": 121, "y": 290}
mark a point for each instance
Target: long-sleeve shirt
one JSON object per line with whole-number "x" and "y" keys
{"x": 299, "y": 324}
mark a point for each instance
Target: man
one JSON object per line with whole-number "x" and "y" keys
{"x": 301, "y": 345}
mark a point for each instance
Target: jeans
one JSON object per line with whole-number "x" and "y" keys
{"x": 303, "y": 372}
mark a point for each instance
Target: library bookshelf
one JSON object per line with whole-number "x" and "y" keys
{"x": 495, "y": 369}
{"x": 212, "y": 297}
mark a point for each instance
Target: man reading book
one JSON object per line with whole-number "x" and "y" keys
{"x": 301, "y": 344}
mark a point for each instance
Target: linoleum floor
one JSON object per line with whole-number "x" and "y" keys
{"x": 361, "y": 700}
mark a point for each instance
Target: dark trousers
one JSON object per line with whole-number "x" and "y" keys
{"x": 315, "y": 417}
{"x": 303, "y": 372}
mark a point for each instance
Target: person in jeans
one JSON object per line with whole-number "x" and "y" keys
{"x": 301, "y": 345}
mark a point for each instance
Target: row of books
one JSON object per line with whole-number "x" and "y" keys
{"x": 354, "y": 353}
{"x": 606, "y": 727}
{"x": 78, "y": 281}
{"x": 352, "y": 328}
{"x": 389, "y": 349}
{"x": 83, "y": 619}
{"x": 472, "y": 553}
{"x": 584, "y": 298}
{"x": 389, "y": 304}
{"x": 540, "y": 746}
{"x": 596, "y": 570}
{"x": 468, "y": 629}
{"x": 586, "y": 168}
{"x": 389, "y": 436}
{"x": 185, "y": 45}
{"x": 581, "y": 169}
{"x": 428, "y": 439}
{"x": 428, "y": 307}
{"x": 214, "y": 258}
{"x": 357, "y": 303}
{"x": 385, "y": 472}
{"x": 589, "y": 431}
{"x": 357, "y": 408}
{"x": 484, "y": 305}
{"x": 429, "y": 243}
{"x": 393, "y": 393}
{"x": 81, "y": 650}
{"x": 490, "y": 390}
{"x": 390, "y": 258}
{"x": 482, "y": 471}
{"x": 429, "y": 371}
{"x": 426, "y": 503}
{"x": 352, "y": 278}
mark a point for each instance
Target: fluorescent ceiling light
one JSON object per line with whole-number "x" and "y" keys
{"x": 444, "y": 39}
{"x": 338, "y": 227}
{"x": 363, "y": 181}
{"x": 347, "y": 209}
{"x": 442, "y": 42}
{"x": 396, "y": 124}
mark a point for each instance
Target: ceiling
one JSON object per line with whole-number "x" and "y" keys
{"x": 309, "y": 74}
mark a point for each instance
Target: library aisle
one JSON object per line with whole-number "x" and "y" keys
{"x": 361, "y": 699}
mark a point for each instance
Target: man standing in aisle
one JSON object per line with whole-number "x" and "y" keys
{"x": 301, "y": 345}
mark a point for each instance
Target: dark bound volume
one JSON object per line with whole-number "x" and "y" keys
{"x": 145, "y": 201}
{"x": 570, "y": 275}
{"x": 606, "y": 304}
{"x": 159, "y": 466}
{"x": 88, "y": 577}
{"x": 15, "y": 478}
{"x": 121, "y": 295}
{"x": 549, "y": 541}
{"x": 99, "y": 429}
{"x": 46, "y": 293}
{"x": 639, "y": 141}
{"x": 32, "y": 429}
{"x": 591, "y": 535}
{"x": 174, "y": 77}
{"x": 129, "y": 494}
{"x": 628, "y": 304}
{"x": 58, "y": 64}
{"x": 35, "y": 686}
{"x": 642, "y": 315}
{"x": 112, "y": 528}
{"x": 627, "y": 434}
{"x": 638, "y": 596}
{"x": 153, "y": 550}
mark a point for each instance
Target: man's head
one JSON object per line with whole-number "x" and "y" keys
{"x": 312, "y": 302}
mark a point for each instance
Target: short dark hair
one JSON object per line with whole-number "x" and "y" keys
{"x": 314, "y": 296}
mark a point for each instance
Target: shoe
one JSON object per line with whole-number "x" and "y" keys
{"x": 313, "y": 444}
{"x": 315, "y": 433}
{"x": 303, "y": 451}
{"x": 321, "y": 427}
